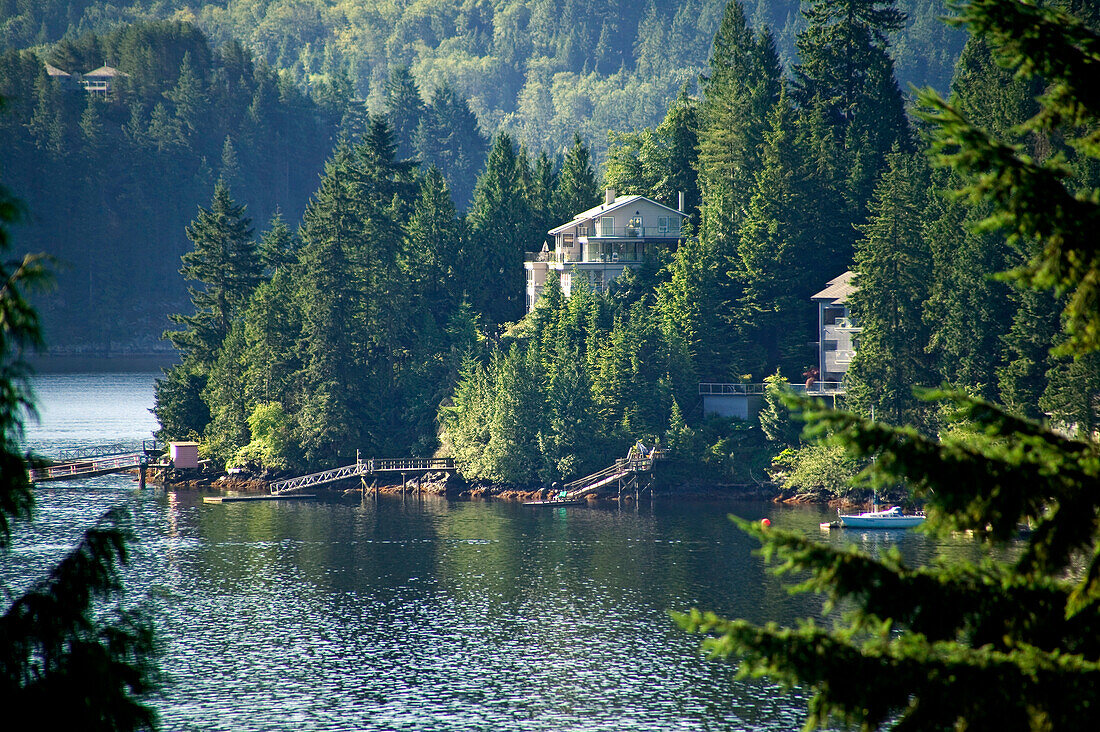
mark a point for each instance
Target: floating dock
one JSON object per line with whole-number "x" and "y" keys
{"x": 262, "y": 497}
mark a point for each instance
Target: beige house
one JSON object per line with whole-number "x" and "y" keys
{"x": 598, "y": 244}
{"x": 838, "y": 333}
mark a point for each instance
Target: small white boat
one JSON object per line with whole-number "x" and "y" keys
{"x": 891, "y": 518}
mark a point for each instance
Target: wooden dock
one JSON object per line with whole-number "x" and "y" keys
{"x": 261, "y": 497}
{"x": 89, "y": 462}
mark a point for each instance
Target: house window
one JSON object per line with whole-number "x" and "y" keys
{"x": 607, "y": 226}
{"x": 567, "y": 239}
{"x": 635, "y": 222}
{"x": 582, "y": 230}
{"x": 664, "y": 224}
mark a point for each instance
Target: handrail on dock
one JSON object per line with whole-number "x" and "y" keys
{"x": 619, "y": 469}
{"x": 361, "y": 468}
{"x": 87, "y": 468}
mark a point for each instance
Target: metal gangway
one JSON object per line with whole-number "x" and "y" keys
{"x": 622, "y": 472}
{"x": 362, "y": 469}
{"x": 87, "y": 462}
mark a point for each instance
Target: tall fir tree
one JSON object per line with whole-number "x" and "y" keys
{"x": 405, "y": 109}
{"x": 448, "y": 136}
{"x": 741, "y": 86}
{"x": 332, "y": 231}
{"x": 845, "y": 70}
{"x": 225, "y": 264}
{"x": 498, "y": 222}
{"x": 776, "y": 262}
{"x": 893, "y": 263}
{"x": 577, "y": 189}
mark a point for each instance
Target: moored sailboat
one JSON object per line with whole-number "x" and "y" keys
{"x": 891, "y": 518}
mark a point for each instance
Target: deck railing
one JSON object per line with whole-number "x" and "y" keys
{"x": 739, "y": 389}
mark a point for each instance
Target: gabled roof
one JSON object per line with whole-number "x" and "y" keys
{"x": 838, "y": 289}
{"x": 605, "y": 208}
{"x": 105, "y": 72}
{"x": 54, "y": 71}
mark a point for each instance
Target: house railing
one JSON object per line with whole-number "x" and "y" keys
{"x": 559, "y": 257}
{"x": 742, "y": 389}
{"x": 714, "y": 389}
{"x": 635, "y": 232}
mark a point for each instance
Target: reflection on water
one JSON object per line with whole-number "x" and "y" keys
{"x": 428, "y": 614}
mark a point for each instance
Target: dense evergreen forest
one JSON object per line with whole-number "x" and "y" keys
{"x": 538, "y": 69}
{"x": 391, "y": 319}
{"x": 269, "y": 85}
{"x": 392, "y": 323}
{"x": 111, "y": 179}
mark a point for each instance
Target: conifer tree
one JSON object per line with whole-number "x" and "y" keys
{"x": 843, "y": 63}
{"x": 697, "y": 279}
{"x": 272, "y": 324}
{"x": 893, "y": 264}
{"x": 225, "y": 264}
{"x": 405, "y": 108}
{"x": 448, "y": 137}
{"x": 740, "y": 88}
{"x": 434, "y": 247}
{"x": 776, "y": 261}
{"x": 278, "y": 245}
{"x": 577, "y": 189}
{"x": 498, "y": 222}
{"x": 846, "y": 71}
{"x": 332, "y": 230}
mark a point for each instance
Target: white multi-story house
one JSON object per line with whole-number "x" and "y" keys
{"x": 838, "y": 333}
{"x": 598, "y": 244}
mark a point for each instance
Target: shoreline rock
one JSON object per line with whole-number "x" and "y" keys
{"x": 452, "y": 485}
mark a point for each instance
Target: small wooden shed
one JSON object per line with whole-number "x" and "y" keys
{"x": 184, "y": 454}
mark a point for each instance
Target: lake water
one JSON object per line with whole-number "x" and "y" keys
{"x": 421, "y": 614}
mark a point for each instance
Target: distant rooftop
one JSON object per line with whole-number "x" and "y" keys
{"x": 104, "y": 72}
{"x": 54, "y": 71}
{"x": 838, "y": 289}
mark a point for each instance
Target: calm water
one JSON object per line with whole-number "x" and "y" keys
{"x": 421, "y": 614}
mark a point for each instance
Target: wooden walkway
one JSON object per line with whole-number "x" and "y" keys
{"x": 88, "y": 468}
{"x": 361, "y": 469}
{"x": 88, "y": 462}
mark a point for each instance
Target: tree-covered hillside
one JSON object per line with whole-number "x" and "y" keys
{"x": 110, "y": 179}
{"x": 540, "y": 69}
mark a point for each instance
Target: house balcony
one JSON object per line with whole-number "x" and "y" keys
{"x": 841, "y": 332}
{"x": 838, "y": 361}
{"x": 561, "y": 258}
{"x": 635, "y": 232}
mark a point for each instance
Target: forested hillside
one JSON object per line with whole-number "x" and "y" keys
{"x": 257, "y": 92}
{"x": 110, "y": 179}
{"x": 395, "y": 324}
{"x": 540, "y": 69}
{"x": 384, "y": 312}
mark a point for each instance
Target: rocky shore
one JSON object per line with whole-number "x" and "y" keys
{"x": 452, "y": 485}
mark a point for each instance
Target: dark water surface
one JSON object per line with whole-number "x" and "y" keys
{"x": 422, "y": 614}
